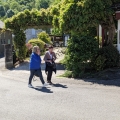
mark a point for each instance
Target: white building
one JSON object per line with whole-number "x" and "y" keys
{"x": 32, "y": 33}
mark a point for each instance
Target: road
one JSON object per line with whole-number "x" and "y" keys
{"x": 2, "y": 62}
{"x": 63, "y": 101}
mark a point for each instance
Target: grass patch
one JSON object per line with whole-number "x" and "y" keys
{"x": 67, "y": 74}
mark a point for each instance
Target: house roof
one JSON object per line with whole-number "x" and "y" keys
{"x": 2, "y": 24}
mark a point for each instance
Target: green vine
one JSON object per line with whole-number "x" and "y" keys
{"x": 23, "y": 20}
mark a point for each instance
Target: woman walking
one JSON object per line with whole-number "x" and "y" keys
{"x": 50, "y": 58}
{"x": 35, "y": 66}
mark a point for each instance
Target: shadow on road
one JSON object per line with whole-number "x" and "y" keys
{"x": 103, "y": 82}
{"x": 60, "y": 85}
{"x": 43, "y": 89}
{"x": 1, "y": 56}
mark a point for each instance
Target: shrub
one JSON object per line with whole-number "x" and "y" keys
{"x": 106, "y": 57}
{"x": 67, "y": 74}
{"x": 37, "y": 42}
{"x": 19, "y": 45}
{"x": 99, "y": 63}
{"x": 44, "y": 37}
{"x": 81, "y": 49}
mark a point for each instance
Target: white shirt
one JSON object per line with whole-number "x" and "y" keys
{"x": 50, "y": 54}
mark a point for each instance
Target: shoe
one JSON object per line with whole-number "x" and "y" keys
{"x": 45, "y": 84}
{"x": 30, "y": 86}
{"x": 51, "y": 83}
{"x": 48, "y": 81}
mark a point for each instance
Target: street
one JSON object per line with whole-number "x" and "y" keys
{"x": 2, "y": 62}
{"x": 63, "y": 101}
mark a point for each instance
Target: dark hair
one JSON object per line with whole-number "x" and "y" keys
{"x": 50, "y": 47}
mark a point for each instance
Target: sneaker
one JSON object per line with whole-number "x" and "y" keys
{"x": 30, "y": 86}
{"x": 45, "y": 84}
{"x": 48, "y": 82}
{"x": 51, "y": 83}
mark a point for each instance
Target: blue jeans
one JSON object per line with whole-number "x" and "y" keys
{"x": 39, "y": 73}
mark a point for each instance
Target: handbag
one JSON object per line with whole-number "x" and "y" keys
{"x": 49, "y": 64}
{"x": 54, "y": 65}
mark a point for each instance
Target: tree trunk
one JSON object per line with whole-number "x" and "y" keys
{"x": 111, "y": 31}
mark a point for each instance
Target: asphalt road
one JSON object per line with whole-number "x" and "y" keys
{"x": 2, "y": 62}
{"x": 63, "y": 101}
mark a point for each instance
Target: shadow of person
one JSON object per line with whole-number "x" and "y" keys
{"x": 43, "y": 89}
{"x": 60, "y": 85}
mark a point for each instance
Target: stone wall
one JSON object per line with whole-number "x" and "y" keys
{"x": 5, "y": 38}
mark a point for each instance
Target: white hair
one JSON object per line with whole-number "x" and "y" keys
{"x": 35, "y": 49}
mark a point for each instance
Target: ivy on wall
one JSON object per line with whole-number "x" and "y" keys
{"x": 23, "y": 20}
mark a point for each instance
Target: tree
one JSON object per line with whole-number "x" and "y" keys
{"x": 6, "y": 6}
{"x": 2, "y": 11}
{"x": 15, "y": 6}
{"x": 23, "y": 7}
{"x": 54, "y": 2}
{"x": 9, "y": 13}
{"x": 101, "y": 13}
{"x": 28, "y": 3}
{"x": 76, "y": 15}
{"x": 42, "y": 4}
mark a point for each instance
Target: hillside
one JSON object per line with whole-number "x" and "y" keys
{"x": 10, "y": 7}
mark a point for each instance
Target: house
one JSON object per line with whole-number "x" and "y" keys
{"x": 58, "y": 40}
{"x": 32, "y": 33}
{"x": 5, "y": 38}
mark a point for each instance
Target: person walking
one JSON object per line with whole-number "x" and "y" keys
{"x": 49, "y": 59}
{"x": 35, "y": 66}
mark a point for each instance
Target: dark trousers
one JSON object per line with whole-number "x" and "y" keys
{"x": 49, "y": 75}
{"x": 39, "y": 73}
